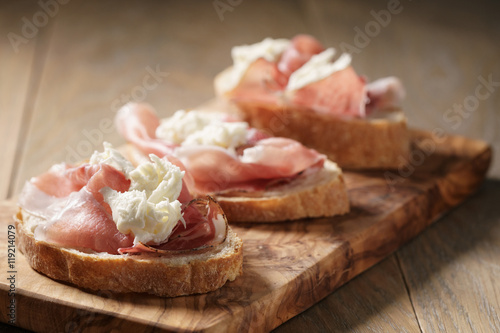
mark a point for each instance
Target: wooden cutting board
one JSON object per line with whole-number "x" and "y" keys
{"x": 287, "y": 266}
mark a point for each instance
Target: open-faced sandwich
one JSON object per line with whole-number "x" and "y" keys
{"x": 295, "y": 88}
{"x": 253, "y": 176}
{"x": 105, "y": 225}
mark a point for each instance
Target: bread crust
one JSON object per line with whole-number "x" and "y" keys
{"x": 313, "y": 194}
{"x": 380, "y": 141}
{"x": 322, "y": 193}
{"x": 162, "y": 276}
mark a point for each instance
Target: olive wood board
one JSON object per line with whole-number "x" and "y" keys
{"x": 287, "y": 266}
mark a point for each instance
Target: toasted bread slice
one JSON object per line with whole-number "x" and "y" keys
{"x": 379, "y": 141}
{"x": 311, "y": 194}
{"x": 163, "y": 276}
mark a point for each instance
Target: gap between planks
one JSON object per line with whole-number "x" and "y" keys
{"x": 38, "y": 62}
{"x": 407, "y": 288}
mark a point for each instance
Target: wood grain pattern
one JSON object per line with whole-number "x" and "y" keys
{"x": 288, "y": 267}
{"x": 18, "y": 71}
{"x": 454, "y": 286}
{"x": 376, "y": 301}
{"x": 439, "y": 49}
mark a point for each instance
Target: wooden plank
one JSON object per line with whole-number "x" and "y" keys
{"x": 455, "y": 284}
{"x": 212, "y": 44}
{"x": 375, "y": 301}
{"x": 287, "y": 267}
{"x": 152, "y": 52}
{"x": 17, "y": 80}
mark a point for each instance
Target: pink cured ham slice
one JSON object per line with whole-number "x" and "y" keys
{"x": 137, "y": 123}
{"x": 214, "y": 169}
{"x": 83, "y": 223}
{"x": 342, "y": 93}
{"x": 265, "y": 80}
{"x": 261, "y": 82}
{"x": 187, "y": 180}
{"x": 206, "y": 227}
{"x": 301, "y": 49}
{"x": 61, "y": 180}
{"x": 211, "y": 169}
{"x": 383, "y": 94}
{"x": 254, "y": 135}
{"x": 77, "y": 215}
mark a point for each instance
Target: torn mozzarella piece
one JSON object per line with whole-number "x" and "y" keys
{"x": 245, "y": 55}
{"x": 320, "y": 66}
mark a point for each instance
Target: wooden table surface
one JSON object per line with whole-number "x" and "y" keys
{"x": 66, "y": 66}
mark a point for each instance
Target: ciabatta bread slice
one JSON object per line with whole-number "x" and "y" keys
{"x": 379, "y": 141}
{"x": 145, "y": 273}
{"x": 314, "y": 193}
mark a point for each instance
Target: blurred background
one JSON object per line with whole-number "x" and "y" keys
{"x": 67, "y": 65}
